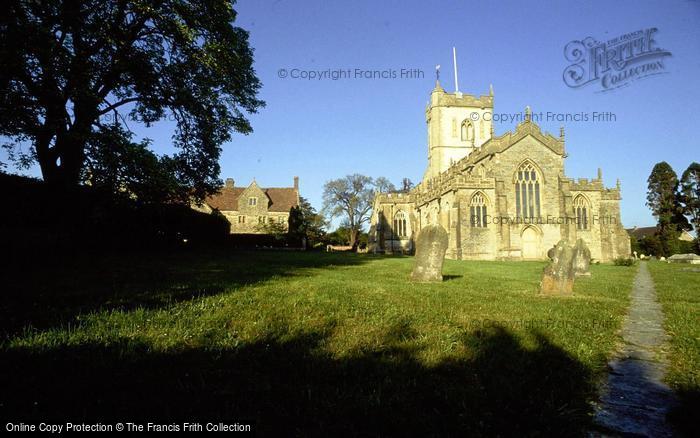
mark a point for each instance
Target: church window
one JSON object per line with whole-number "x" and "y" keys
{"x": 252, "y": 202}
{"x": 478, "y": 211}
{"x": 262, "y": 219}
{"x": 581, "y": 208}
{"x": 527, "y": 192}
{"x": 400, "y": 228}
{"x": 241, "y": 219}
{"x": 467, "y": 131}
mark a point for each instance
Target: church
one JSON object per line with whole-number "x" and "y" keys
{"x": 500, "y": 197}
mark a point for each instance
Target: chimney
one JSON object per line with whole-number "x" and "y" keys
{"x": 229, "y": 183}
{"x": 296, "y": 183}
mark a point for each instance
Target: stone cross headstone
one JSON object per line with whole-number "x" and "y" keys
{"x": 582, "y": 259}
{"x": 431, "y": 245}
{"x": 558, "y": 276}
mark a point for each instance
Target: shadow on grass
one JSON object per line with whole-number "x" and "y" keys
{"x": 51, "y": 292}
{"x": 289, "y": 385}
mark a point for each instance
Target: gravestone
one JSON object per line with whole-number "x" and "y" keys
{"x": 582, "y": 259}
{"x": 685, "y": 258}
{"x": 558, "y": 276}
{"x": 431, "y": 245}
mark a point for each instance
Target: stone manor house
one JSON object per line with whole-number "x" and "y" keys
{"x": 498, "y": 197}
{"x": 249, "y": 208}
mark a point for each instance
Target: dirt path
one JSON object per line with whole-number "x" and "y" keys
{"x": 636, "y": 400}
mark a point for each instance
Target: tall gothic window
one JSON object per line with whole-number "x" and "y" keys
{"x": 477, "y": 211}
{"x": 467, "y": 131}
{"x": 400, "y": 228}
{"x": 581, "y": 209}
{"x": 527, "y": 192}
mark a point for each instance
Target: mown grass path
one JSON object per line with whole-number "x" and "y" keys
{"x": 636, "y": 399}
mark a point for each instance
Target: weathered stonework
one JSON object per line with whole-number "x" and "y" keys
{"x": 483, "y": 171}
{"x": 558, "y": 276}
{"x": 582, "y": 259}
{"x": 431, "y": 246}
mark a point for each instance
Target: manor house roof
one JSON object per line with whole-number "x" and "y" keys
{"x": 281, "y": 199}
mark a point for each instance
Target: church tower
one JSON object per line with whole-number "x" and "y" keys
{"x": 457, "y": 124}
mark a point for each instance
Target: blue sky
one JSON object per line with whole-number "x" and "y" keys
{"x": 324, "y": 129}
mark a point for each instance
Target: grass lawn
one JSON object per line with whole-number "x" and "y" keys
{"x": 678, "y": 289}
{"x": 306, "y": 343}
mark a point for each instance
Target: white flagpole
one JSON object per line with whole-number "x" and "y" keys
{"x": 454, "y": 61}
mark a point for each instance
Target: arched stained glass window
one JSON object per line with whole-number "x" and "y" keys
{"x": 400, "y": 224}
{"x": 527, "y": 192}
{"x": 478, "y": 213}
{"x": 581, "y": 208}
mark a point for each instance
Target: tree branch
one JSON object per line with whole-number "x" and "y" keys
{"x": 116, "y": 105}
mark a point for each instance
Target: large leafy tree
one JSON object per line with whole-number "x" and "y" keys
{"x": 663, "y": 200}
{"x": 306, "y": 223}
{"x": 690, "y": 194}
{"x": 69, "y": 64}
{"x": 116, "y": 164}
{"x": 351, "y": 199}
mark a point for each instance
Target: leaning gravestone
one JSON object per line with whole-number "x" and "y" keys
{"x": 431, "y": 245}
{"x": 558, "y": 276}
{"x": 582, "y": 259}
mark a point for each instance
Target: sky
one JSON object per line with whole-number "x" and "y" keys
{"x": 322, "y": 129}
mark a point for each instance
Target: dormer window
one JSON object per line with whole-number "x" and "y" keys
{"x": 252, "y": 202}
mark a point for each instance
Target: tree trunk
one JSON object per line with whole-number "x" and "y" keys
{"x": 354, "y": 239}
{"x": 69, "y": 148}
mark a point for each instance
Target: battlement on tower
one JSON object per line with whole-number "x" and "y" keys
{"x": 461, "y": 100}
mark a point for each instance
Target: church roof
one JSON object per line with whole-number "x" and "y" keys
{"x": 639, "y": 232}
{"x": 281, "y": 199}
{"x": 498, "y": 144}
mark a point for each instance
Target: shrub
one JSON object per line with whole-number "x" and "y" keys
{"x": 42, "y": 219}
{"x": 623, "y": 261}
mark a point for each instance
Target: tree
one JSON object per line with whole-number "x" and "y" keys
{"x": 351, "y": 198}
{"x": 68, "y": 65}
{"x": 314, "y": 222}
{"x": 383, "y": 185}
{"x": 305, "y": 223}
{"x": 663, "y": 200}
{"x": 690, "y": 194}
{"x": 406, "y": 185}
{"x": 296, "y": 229}
{"x": 277, "y": 230}
{"x": 116, "y": 165}
{"x": 340, "y": 236}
